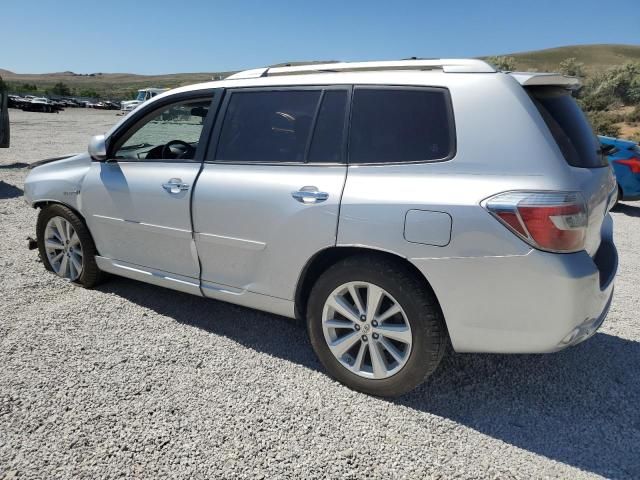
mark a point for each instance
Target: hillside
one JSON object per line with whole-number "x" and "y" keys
{"x": 108, "y": 85}
{"x": 123, "y": 85}
{"x": 595, "y": 57}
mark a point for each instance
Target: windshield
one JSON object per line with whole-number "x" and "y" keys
{"x": 141, "y": 94}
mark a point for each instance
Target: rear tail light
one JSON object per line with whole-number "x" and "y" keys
{"x": 553, "y": 221}
{"x": 633, "y": 163}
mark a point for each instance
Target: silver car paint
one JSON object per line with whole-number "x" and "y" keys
{"x": 134, "y": 219}
{"x": 253, "y": 238}
{"x": 58, "y": 181}
{"x": 250, "y": 231}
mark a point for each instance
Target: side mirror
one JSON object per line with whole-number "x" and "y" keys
{"x": 98, "y": 148}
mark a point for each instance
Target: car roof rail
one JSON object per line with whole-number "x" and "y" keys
{"x": 446, "y": 65}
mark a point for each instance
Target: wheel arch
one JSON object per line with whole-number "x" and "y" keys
{"x": 45, "y": 203}
{"x": 41, "y": 204}
{"x": 324, "y": 259}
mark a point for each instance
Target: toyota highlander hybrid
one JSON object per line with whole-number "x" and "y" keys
{"x": 396, "y": 207}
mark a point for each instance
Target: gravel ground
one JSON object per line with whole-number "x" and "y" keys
{"x": 138, "y": 381}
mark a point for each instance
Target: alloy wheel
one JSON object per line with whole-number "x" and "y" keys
{"x": 366, "y": 330}
{"x": 63, "y": 248}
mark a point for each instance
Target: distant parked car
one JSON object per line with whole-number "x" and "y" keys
{"x": 15, "y": 101}
{"x": 41, "y": 104}
{"x": 107, "y": 105}
{"x": 624, "y": 157}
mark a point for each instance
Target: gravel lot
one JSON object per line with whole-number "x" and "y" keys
{"x": 138, "y": 381}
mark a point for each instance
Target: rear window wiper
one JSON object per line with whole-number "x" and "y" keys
{"x": 606, "y": 149}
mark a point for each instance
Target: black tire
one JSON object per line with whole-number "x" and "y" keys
{"x": 429, "y": 335}
{"x": 91, "y": 274}
{"x": 619, "y": 197}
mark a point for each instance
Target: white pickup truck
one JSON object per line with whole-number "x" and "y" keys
{"x": 143, "y": 95}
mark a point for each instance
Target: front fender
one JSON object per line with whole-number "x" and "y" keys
{"x": 57, "y": 181}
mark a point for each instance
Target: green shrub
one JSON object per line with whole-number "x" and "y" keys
{"x": 88, "y": 92}
{"x": 572, "y": 67}
{"x": 507, "y": 64}
{"x": 593, "y": 102}
{"x": 61, "y": 89}
{"x": 603, "y": 125}
{"x": 634, "y": 115}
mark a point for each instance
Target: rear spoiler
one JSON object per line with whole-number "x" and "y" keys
{"x": 534, "y": 79}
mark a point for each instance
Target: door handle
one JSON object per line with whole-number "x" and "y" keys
{"x": 309, "y": 194}
{"x": 175, "y": 185}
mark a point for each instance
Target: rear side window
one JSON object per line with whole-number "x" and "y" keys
{"x": 569, "y": 127}
{"x": 396, "y": 125}
{"x": 268, "y": 126}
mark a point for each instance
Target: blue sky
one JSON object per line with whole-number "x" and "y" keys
{"x": 163, "y": 36}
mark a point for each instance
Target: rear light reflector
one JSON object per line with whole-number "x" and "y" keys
{"x": 632, "y": 163}
{"x": 552, "y": 221}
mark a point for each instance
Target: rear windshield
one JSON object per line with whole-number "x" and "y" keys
{"x": 569, "y": 127}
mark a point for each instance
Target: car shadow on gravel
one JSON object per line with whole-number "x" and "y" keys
{"x": 580, "y": 407}
{"x": 11, "y": 166}
{"x": 629, "y": 210}
{"x": 9, "y": 191}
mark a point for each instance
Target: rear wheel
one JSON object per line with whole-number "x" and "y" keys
{"x": 375, "y": 327}
{"x": 66, "y": 247}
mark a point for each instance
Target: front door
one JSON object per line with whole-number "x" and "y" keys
{"x": 137, "y": 203}
{"x": 268, "y": 196}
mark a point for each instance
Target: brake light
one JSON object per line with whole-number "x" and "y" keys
{"x": 553, "y": 221}
{"x": 633, "y": 163}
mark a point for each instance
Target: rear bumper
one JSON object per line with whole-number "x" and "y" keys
{"x": 534, "y": 303}
{"x": 586, "y": 329}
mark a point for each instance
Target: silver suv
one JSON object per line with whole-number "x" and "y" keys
{"x": 394, "y": 206}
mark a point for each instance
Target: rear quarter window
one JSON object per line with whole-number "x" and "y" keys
{"x": 569, "y": 126}
{"x": 399, "y": 125}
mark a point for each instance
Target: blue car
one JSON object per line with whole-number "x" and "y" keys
{"x": 624, "y": 157}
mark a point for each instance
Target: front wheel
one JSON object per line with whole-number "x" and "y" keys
{"x": 375, "y": 326}
{"x": 66, "y": 247}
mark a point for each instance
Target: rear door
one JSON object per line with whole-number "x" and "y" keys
{"x": 582, "y": 151}
{"x": 269, "y": 194}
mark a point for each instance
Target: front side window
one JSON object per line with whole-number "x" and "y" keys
{"x": 268, "y": 126}
{"x": 390, "y": 125}
{"x": 170, "y": 133}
